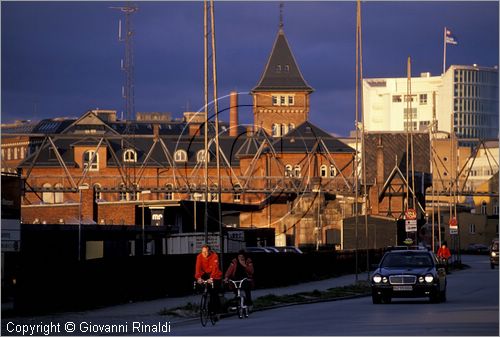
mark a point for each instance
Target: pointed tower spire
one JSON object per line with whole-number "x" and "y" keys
{"x": 281, "y": 15}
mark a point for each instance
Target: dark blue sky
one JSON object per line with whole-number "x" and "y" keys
{"x": 63, "y": 58}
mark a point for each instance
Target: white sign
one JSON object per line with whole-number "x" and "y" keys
{"x": 411, "y": 225}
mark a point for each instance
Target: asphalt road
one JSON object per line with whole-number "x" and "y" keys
{"x": 471, "y": 310}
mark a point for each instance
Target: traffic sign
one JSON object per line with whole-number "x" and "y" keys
{"x": 411, "y": 214}
{"x": 411, "y": 225}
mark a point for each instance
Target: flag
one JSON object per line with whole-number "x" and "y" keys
{"x": 450, "y": 38}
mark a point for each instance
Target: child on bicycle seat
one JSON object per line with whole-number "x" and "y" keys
{"x": 240, "y": 268}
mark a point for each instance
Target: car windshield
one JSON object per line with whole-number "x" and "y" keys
{"x": 398, "y": 260}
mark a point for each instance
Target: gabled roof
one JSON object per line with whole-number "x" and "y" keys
{"x": 304, "y": 138}
{"x": 282, "y": 72}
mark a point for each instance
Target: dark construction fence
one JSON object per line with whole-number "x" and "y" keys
{"x": 58, "y": 284}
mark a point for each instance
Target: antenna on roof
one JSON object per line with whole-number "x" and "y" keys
{"x": 281, "y": 14}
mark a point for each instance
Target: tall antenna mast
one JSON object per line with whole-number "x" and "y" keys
{"x": 127, "y": 64}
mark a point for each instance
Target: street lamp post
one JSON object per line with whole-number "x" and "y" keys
{"x": 143, "y": 193}
{"x": 80, "y": 188}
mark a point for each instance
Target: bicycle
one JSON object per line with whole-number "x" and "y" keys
{"x": 205, "y": 314}
{"x": 241, "y": 307}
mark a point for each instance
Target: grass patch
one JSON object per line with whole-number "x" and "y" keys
{"x": 361, "y": 288}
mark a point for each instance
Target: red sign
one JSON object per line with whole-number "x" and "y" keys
{"x": 453, "y": 222}
{"x": 411, "y": 214}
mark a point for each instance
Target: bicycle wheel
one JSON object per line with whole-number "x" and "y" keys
{"x": 240, "y": 307}
{"x": 204, "y": 309}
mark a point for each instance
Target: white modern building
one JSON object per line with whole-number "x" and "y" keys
{"x": 465, "y": 98}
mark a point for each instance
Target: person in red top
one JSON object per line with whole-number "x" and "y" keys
{"x": 444, "y": 254}
{"x": 207, "y": 268}
{"x": 241, "y": 267}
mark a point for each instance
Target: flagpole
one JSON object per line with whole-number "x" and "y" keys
{"x": 444, "y": 51}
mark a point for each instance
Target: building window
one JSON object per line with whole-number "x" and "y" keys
{"x": 276, "y": 130}
{"x": 237, "y": 193}
{"x": 396, "y": 98}
{"x": 48, "y": 196}
{"x": 472, "y": 228}
{"x": 91, "y": 160}
{"x": 59, "y": 195}
{"x": 423, "y": 99}
{"x": 169, "y": 194}
{"x": 483, "y": 208}
{"x": 291, "y": 100}
{"x": 333, "y": 171}
{"x": 122, "y": 196}
{"x": 296, "y": 171}
{"x": 288, "y": 170}
{"x": 322, "y": 171}
{"x": 200, "y": 156}
{"x": 130, "y": 156}
{"x": 180, "y": 156}
{"x": 97, "y": 192}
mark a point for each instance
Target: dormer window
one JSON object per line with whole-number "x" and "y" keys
{"x": 180, "y": 156}
{"x": 91, "y": 160}
{"x": 130, "y": 156}
{"x": 200, "y": 156}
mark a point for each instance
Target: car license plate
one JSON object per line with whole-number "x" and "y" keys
{"x": 402, "y": 288}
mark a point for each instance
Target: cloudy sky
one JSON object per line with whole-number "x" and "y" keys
{"x": 63, "y": 58}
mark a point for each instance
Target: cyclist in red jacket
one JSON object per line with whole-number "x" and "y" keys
{"x": 207, "y": 268}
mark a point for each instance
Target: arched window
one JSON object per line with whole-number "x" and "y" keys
{"x": 97, "y": 192}
{"x": 91, "y": 160}
{"x": 58, "y": 196}
{"x": 200, "y": 156}
{"x": 122, "y": 195}
{"x": 47, "y": 197}
{"x": 169, "y": 194}
{"x": 333, "y": 171}
{"x": 180, "y": 156}
{"x": 237, "y": 193}
{"x": 288, "y": 170}
{"x": 483, "y": 207}
{"x": 296, "y": 171}
{"x": 130, "y": 156}
{"x": 276, "y": 130}
{"x": 322, "y": 171}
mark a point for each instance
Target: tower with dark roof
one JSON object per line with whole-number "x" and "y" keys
{"x": 281, "y": 97}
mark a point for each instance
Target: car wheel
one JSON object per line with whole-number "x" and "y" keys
{"x": 376, "y": 299}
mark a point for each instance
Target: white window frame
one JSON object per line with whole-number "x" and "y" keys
{"x": 86, "y": 161}
{"x": 200, "y": 156}
{"x": 180, "y": 156}
{"x": 130, "y": 156}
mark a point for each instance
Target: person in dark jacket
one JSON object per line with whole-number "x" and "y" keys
{"x": 242, "y": 267}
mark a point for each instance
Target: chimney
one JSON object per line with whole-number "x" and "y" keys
{"x": 380, "y": 161}
{"x": 233, "y": 114}
{"x": 156, "y": 131}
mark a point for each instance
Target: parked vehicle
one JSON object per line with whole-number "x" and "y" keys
{"x": 494, "y": 253}
{"x": 477, "y": 248}
{"x": 408, "y": 273}
{"x": 289, "y": 249}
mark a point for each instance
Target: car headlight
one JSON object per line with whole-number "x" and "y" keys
{"x": 429, "y": 278}
{"x": 377, "y": 278}
{"x": 493, "y": 254}
{"x": 421, "y": 279}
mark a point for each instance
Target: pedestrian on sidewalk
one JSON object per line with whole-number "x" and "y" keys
{"x": 207, "y": 268}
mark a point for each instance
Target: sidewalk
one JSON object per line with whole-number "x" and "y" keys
{"x": 150, "y": 310}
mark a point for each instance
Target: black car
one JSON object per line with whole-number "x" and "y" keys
{"x": 408, "y": 273}
{"x": 494, "y": 253}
